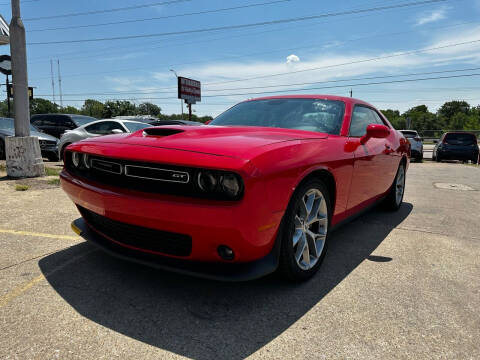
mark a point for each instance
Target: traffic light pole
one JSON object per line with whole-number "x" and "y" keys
{"x": 23, "y": 153}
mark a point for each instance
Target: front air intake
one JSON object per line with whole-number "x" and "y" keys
{"x": 158, "y": 131}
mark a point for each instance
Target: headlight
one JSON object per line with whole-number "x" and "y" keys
{"x": 207, "y": 181}
{"x": 86, "y": 161}
{"x": 230, "y": 185}
{"x": 76, "y": 158}
{"x": 220, "y": 183}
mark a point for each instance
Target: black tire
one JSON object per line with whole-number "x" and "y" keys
{"x": 2, "y": 150}
{"x": 391, "y": 202}
{"x": 288, "y": 267}
{"x": 438, "y": 158}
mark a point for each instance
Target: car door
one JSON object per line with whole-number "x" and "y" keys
{"x": 372, "y": 160}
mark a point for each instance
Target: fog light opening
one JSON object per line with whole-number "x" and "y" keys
{"x": 225, "y": 252}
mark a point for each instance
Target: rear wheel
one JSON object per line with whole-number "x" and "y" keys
{"x": 304, "y": 231}
{"x": 395, "y": 196}
{"x": 2, "y": 150}
{"x": 438, "y": 158}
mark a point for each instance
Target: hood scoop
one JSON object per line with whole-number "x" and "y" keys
{"x": 161, "y": 131}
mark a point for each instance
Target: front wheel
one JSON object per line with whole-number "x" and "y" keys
{"x": 304, "y": 231}
{"x": 394, "y": 198}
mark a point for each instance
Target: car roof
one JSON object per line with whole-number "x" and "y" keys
{"x": 315, "y": 96}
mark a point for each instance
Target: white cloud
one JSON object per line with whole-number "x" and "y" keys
{"x": 292, "y": 59}
{"x": 435, "y": 15}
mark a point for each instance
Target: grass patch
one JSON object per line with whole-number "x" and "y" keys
{"x": 21, "y": 187}
{"x": 52, "y": 171}
{"x": 55, "y": 181}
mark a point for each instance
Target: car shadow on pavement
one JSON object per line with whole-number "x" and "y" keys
{"x": 205, "y": 319}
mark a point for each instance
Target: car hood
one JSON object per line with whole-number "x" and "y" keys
{"x": 41, "y": 136}
{"x": 217, "y": 140}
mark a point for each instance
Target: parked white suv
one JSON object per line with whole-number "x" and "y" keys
{"x": 417, "y": 143}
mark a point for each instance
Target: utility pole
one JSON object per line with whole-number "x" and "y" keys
{"x": 53, "y": 81}
{"x": 24, "y": 158}
{"x": 60, "y": 83}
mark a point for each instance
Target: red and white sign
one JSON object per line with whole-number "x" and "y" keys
{"x": 189, "y": 90}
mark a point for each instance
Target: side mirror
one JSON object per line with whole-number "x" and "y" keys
{"x": 117, "y": 131}
{"x": 207, "y": 122}
{"x": 375, "y": 131}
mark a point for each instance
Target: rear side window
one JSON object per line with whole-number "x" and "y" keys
{"x": 460, "y": 139}
{"x": 104, "y": 127}
{"x": 37, "y": 120}
{"x": 409, "y": 134}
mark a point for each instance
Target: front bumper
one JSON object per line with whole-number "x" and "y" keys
{"x": 247, "y": 226}
{"x": 215, "y": 271}
{"x": 50, "y": 151}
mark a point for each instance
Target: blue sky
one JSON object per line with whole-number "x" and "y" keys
{"x": 138, "y": 69}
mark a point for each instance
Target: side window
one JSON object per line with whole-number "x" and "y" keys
{"x": 361, "y": 118}
{"x": 104, "y": 128}
{"x": 378, "y": 119}
{"x": 37, "y": 121}
{"x": 49, "y": 121}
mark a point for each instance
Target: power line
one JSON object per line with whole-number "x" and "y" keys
{"x": 349, "y": 63}
{"x": 162, "y": 17}
{"x": 152, "y": 91}
{"x": 316, "y": 68}
{"x": 23, "y": 2}
{"x": 182, "y": 43}
{"x": 93, "y": 12}
{"x": 318, "y": 88}
{"x": 240, "y": 26}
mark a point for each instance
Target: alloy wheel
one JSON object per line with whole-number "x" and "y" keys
{"x": 400, "y": 184}
{"x": 310, "y": 229}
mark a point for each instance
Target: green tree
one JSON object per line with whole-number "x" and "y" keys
{"x": 148, "y": 109}
{"x": 450, "y": 108}
{"x": 92, "y": 108}
{"x": 422, "y": 119}
{"x": 69, "y": 110}
{"x": 397, "y": 120}
{"x": 42, "y": 106}
{"x": 118, "y": 108}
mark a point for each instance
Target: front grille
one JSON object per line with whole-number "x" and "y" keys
{"x": 142, "y": 176}
{"x": 139, "y": 237}
{"x": 46, "y": 143}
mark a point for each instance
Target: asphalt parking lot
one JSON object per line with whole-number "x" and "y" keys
{"x": 393, "y": 285}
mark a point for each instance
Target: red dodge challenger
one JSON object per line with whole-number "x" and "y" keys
{"x": 257, "y": 190}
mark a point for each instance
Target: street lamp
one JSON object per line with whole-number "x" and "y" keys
{"x": 181, "y": 103}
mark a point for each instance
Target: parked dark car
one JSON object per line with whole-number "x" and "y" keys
{"x": 57, "y": 124}
{"x": 456, "y": 146}
{"x": 48, "y": 144}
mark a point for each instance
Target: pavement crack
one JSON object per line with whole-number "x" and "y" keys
{"x": 32, "y": 258}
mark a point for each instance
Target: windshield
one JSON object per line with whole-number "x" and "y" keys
{"x": 460, "y": 139}
{"x": 8, "y": 124}
{"x": 80, "y": 120}
{"x": 134, "y": 126}
{"x": 301, "y": 114}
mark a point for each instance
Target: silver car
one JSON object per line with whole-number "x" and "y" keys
{"x": 98, "y": 128}
{"x": 48, "y": 144}
{"x": 416, "y": 143}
